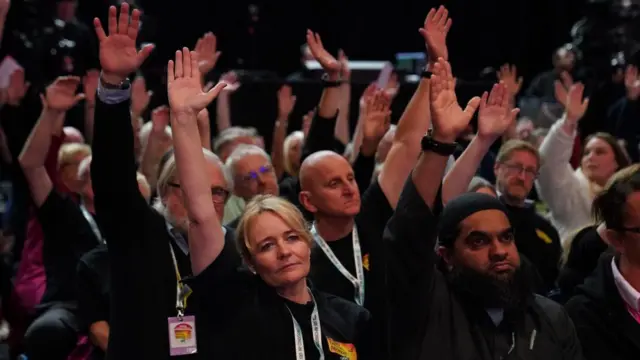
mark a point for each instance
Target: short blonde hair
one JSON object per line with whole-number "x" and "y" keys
{"x": 68, "y": 153}
{"x": 286, "y": 151}
{"x": 507, "y": 149}
{"x": 276, "y": 205}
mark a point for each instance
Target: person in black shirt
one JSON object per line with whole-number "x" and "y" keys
{"x": 516, "y": 168}
{"x": 606, "y": 307}
{"x": 469, "y": 300}
{"x": 69, "y": 229}
{"x": 287, "y": 318}
{"x": 148, "y": 247}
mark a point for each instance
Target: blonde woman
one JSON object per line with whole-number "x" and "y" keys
{"x": 569, "y": 193}
{"x": 271, "y": 306}
{"x": 292, "y": 152}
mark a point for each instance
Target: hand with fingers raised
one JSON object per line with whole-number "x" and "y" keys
{"x": 329, "y": 63}
{"x": 448, "y": 118}
{"x": 434, "y": 31}
{"x": 508, "y": 74}
{"x": 376, "y": 120}
{"x": 61, "y": 95}
{"x": 495, "y": 115}
{"x": 184, "y": 87}
{"x": 118, "y": 54}
{"x": 207, "y": 49}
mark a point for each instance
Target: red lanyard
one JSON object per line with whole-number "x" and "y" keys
{"x": 634, "y": 313}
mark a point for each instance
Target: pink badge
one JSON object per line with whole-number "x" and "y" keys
{"x": 182, "y": 335}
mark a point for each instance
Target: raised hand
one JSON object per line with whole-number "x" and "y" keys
{"x": 367, "y": 95}
{"x": 576, "y": 105}
{"x": 231, "y": 79}
{"x": 160, "y": 119}
{"x": 345, "y": 72}
{"x": 206, "y": 47}
{"x": 495, "y": 115}
{"x": 90, "y": 85}
{"x": 508, "y": 74}
{"x": 376, "y": 117}
{"x": 61, "y": 95}
{"x": 140, "y": 97}
{"x": 448, "y": 118}
{"x": 183, "y": 84}
{"x": 326, "y": 60}
{"x": 561, "y": 88}
{"x": 4, "y": 6}
{"x": 286, "y": 102}
{"x": 434, "y": 31}
{"x": 118, "y": 54}
{"x": 393, "y": 85}
{"x": 17, "y": 88}
{"x": 632, "y": 82}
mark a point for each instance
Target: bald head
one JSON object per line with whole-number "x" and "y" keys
{"x": 328, "y": 186}
{"x": 316, "y": 164}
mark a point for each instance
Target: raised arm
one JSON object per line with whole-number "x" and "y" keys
{"x": 204, "y": 128}
{"x": 186, "y": 98}
{"x": 286, "y": 102}
{"x": 494, "y": 118}
{"x": 416, "y": 118}
{"x": 113, "y": 166}
{"x": 158, "y": 141}
{"x": 59, "y": 97}
{"x": 557, "y": 183}
{"x": 341, "y": 131}
{"x": 223, "y": 103}
{"x": 410, "y": 233}
{"x": 321, "y": 133}
{"x": 90, "y": 84}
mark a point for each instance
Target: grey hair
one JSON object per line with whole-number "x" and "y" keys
{"x": 145, "y": 130}
{"x": 240, "y": 152}
{"x": 230, "y": 134}
{"x": 169, "y": 172}
{"x": 478, "y": 183}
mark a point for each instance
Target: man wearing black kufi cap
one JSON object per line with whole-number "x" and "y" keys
{"x": 469, "y": 299}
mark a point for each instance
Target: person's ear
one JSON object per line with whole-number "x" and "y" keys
{"x": 615, "y": 239}
{"x": 445, "y": 254}
{"x": 305, "y": 200}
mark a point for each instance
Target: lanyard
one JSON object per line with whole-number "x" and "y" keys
{"x": 92, "y": 224}
{"x": 358, "y": 281}
{"x": 182, "y": 291}
{"x": 315, "y": 328}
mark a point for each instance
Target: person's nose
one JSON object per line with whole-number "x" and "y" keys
{"x": 498, "y": 250}
{"x": 284, "y": 250}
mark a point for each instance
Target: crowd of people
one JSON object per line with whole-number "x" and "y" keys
{"x": 461, "y": 232}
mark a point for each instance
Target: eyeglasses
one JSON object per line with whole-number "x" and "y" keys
{"x": 253, "y": 175}
{"x": 218, "y": 195}
{"x": 519, "y": 169}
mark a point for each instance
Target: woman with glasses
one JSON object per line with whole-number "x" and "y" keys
{"x": 269, "y": 311}
{"x": 606, "y": 307}
{"x": 569, "y": 193}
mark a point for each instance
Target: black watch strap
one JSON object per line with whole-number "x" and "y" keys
{"x": 426, "y": 74}
{"x": 440, "y": 148}
{"x": 329, "y": 83}
{"x": 124, "y": 85}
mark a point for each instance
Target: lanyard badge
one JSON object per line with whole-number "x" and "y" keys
{"x": 182, "y": 329}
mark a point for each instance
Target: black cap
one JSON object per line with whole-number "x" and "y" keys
{"x": 461, "y": 208}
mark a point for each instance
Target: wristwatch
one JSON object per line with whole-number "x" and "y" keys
{"x": 426, "y": 74}
{"x": 329, "y": 83}
{"x": 124, "y": 85}
{"x": 440, "y": 148}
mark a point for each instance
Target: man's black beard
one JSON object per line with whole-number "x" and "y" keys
{"x": 489, "y": 291}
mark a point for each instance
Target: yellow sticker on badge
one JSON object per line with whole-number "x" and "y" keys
{"x": 347, "y": 351}
{"x": 544, "y": 237}
{"x": 365, "y": 262}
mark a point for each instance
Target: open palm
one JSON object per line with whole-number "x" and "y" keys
{"x": 435, "y": 30}
{"x": 576, "y": 105}
{"x": 61, "y": 95}
{"x": 448, "y": 117}
{"x": 494, "y": 116}
{"x": 376, "y": 117}
{"x": 184, "y": 88}
{"x": 326, "y": 60}
{"x": 118, "y": 53}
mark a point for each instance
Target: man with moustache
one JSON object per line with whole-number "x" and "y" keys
{"x": 516, "y": 169}
{"x": 470, "y": 299}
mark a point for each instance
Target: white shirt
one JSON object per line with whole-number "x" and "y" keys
{"x": 630, "y": 295}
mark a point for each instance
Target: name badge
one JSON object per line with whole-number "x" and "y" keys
{"x": 182, "y": 336}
